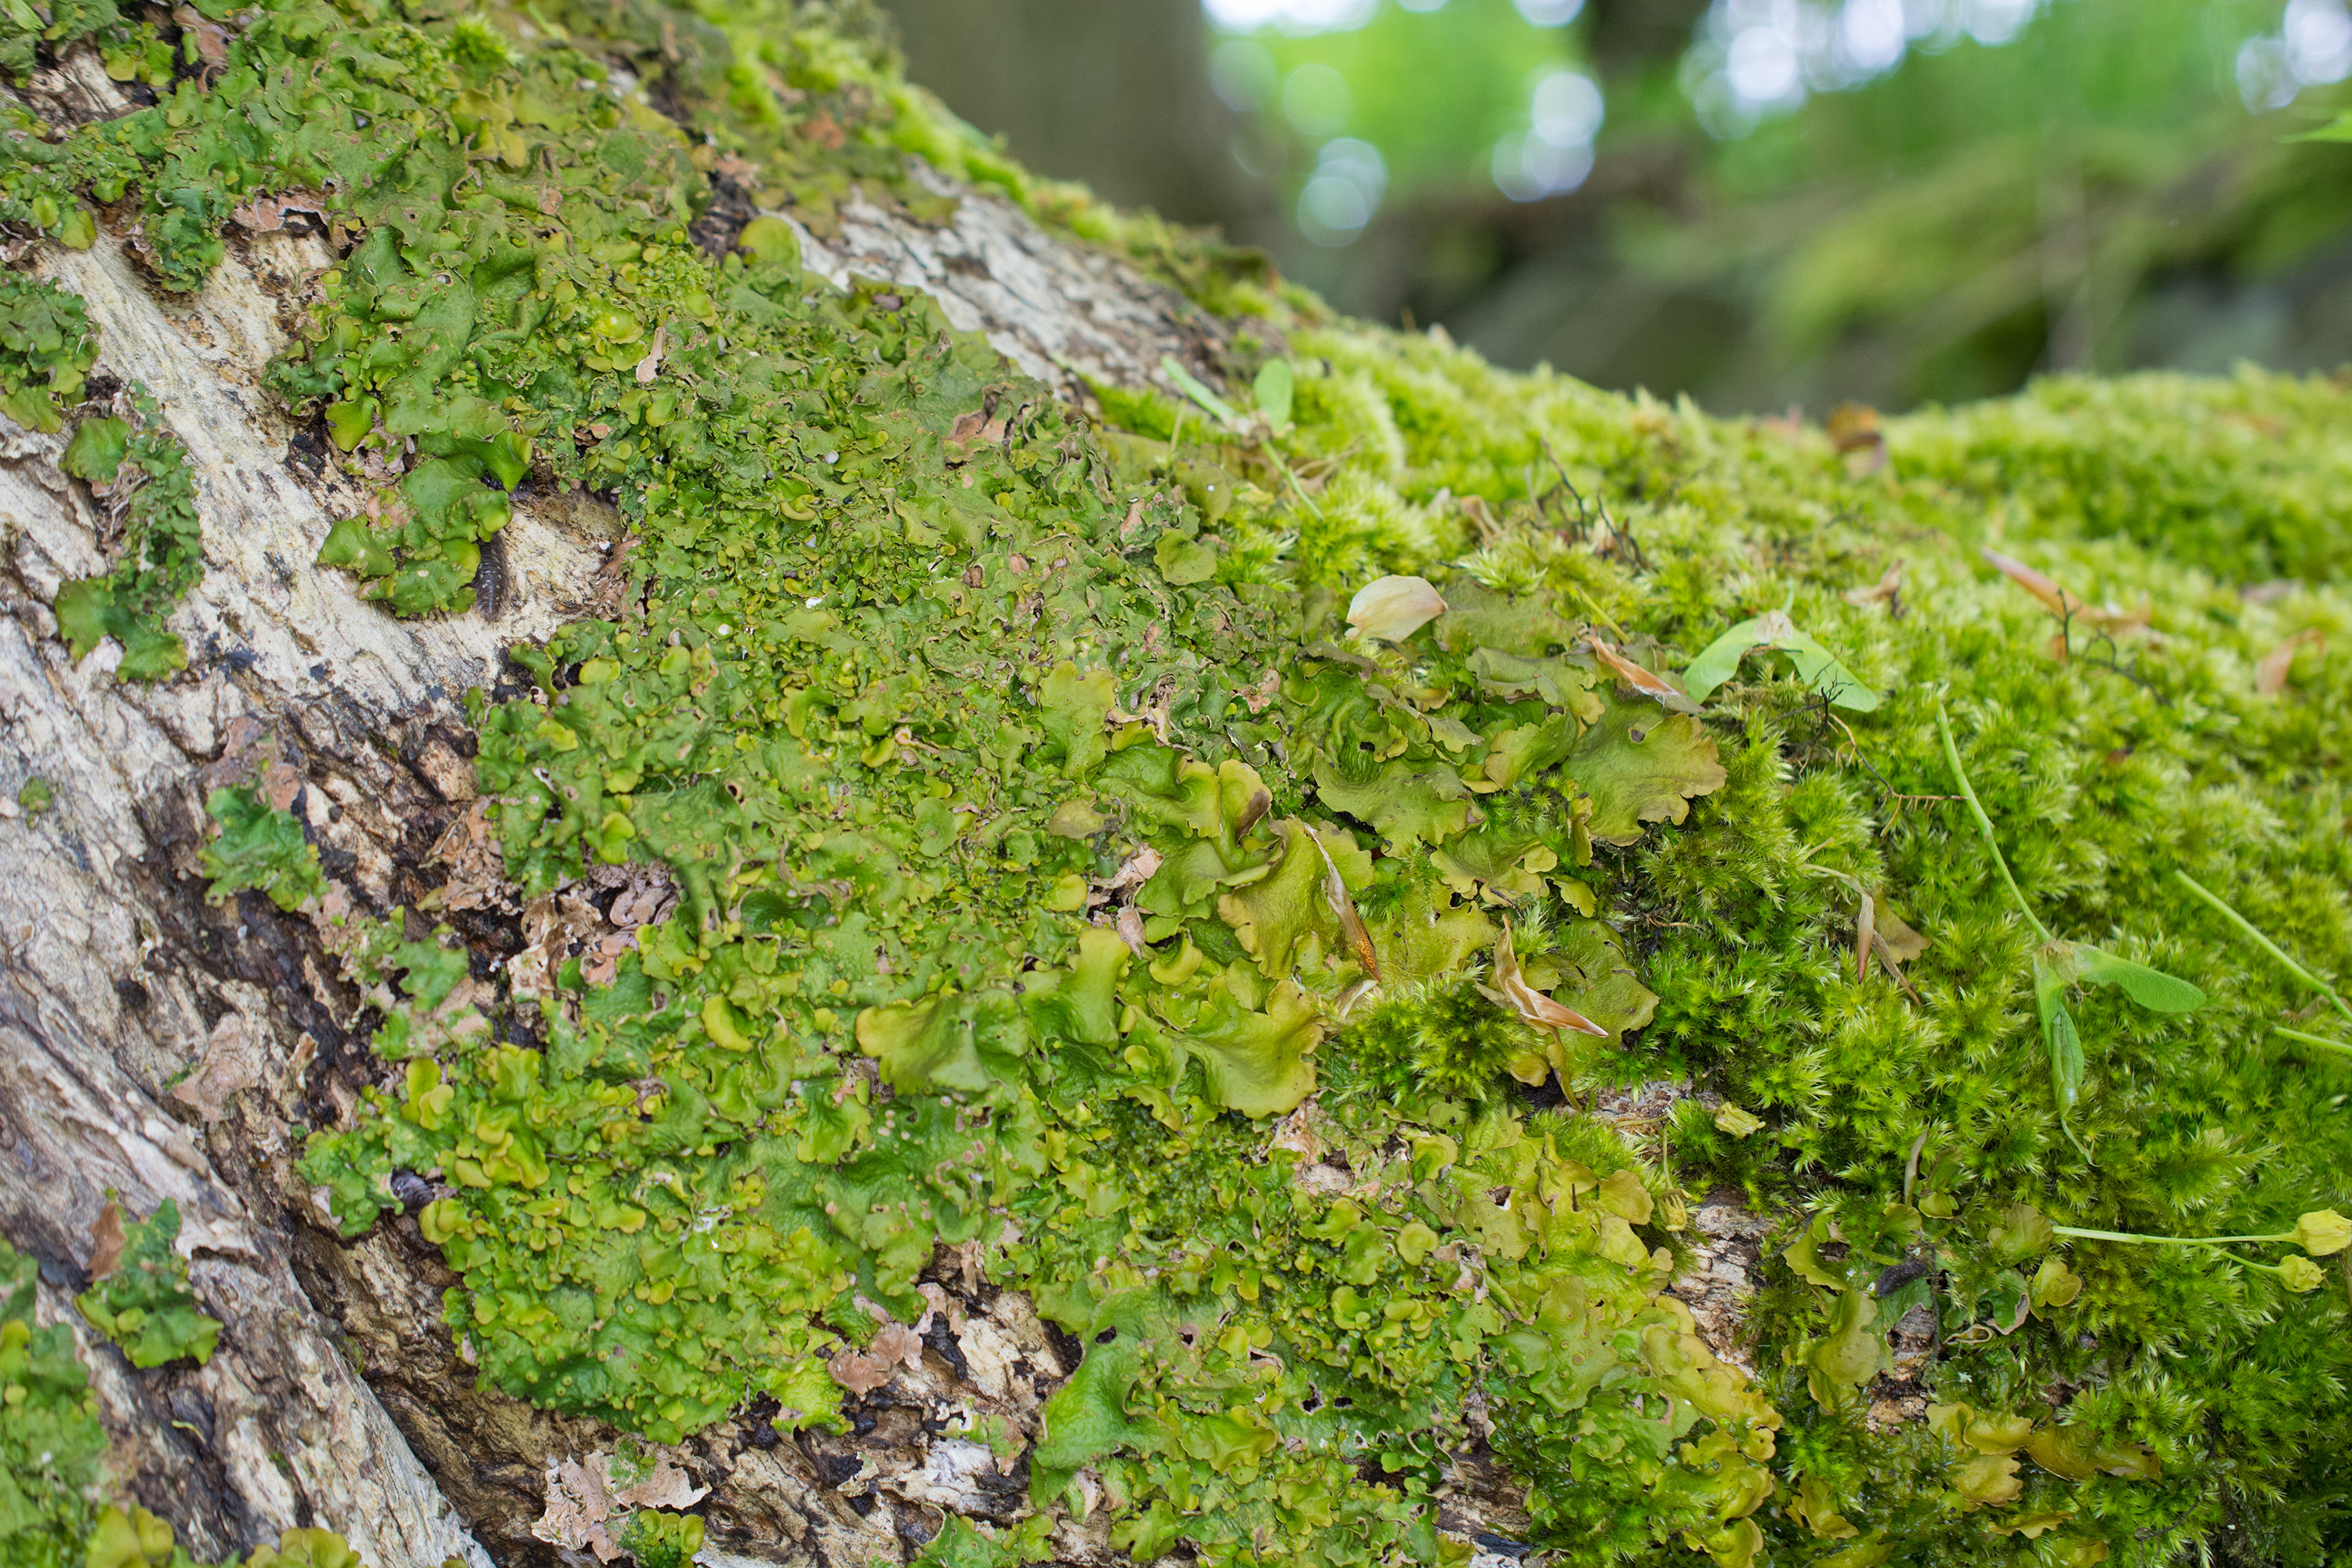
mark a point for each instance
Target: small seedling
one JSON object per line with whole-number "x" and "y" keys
{"x": 2060, "y": 965}
{"x": 1272, "y": 392}
{"x": 2320, "y": 1234}
{"x": 1774, "y": 632}
{"x": 2289, "y": 964}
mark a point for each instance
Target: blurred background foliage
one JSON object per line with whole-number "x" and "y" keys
{"x": 1758, "y": 203}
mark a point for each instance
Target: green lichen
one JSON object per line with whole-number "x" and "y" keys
{"x": 142, "y": 1302}
{"x": 140, "y": 471}
{"x": 47, "y": 347}
{"x": 259, "y": 848}
{"x": 130, "y": 50}
{"x": 36, "y": 795}
{"x": 661, "y": 1540}
{"x": 49, "y": 1436}
{"x": 51, "y": 1444}
{"x": 1040, "y": 823}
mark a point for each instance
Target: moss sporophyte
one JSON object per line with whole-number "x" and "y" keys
{"x": 1054, "y": 805}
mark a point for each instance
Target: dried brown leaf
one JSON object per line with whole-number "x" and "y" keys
{"x": 1866, "y": 928}
{"x": 106, "y": 1240}
{"x": 2271, "y": 670}
{"x": 650, "y": 367}
{"x": 231, "y": 1063}
{"x": 1853, "y": 425}
{"x": 899, "y": 1343}
{"x": 1889, "y": 590}
{"x": 859, "y": 1373}
{"x": 2055, "y": 599}
{"x": 212, "y": 38}
{"x": 1512, "y": 991}
{"x": 1649, "y": 683}
{"x": 1351, "y": 924}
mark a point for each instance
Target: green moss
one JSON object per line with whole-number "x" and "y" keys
{"x": 143, "y": 1303}
{"x": 1039, "y": 824}
{"x": 140, "y": 469}
{"x": 36, "y": 795}
{"x": 256, "y": 847}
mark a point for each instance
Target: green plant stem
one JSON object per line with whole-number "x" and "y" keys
{"x": 2267, "y": 945}
{"x": 1984, "y": 823}
{"x": 2320, "y": 1040}
{"x": 2167, "y": 1240}
{"x": 1275, "y": 454}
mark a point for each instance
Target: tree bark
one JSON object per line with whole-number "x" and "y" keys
{"x": 154, "y": 1044}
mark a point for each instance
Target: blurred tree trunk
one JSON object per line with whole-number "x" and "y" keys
{"x": 1114, "y": 93}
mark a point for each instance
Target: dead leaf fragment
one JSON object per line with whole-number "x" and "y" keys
{"x": 1512, "y": 991}
{"x": 106, "y": 1240}
{"x": 231, "y": 1063}
{"x": 1351, "y": 924}
{"x": 578, "y": 1504}
{"x": 1865, "y": 928}
{"x": 212, "y": 38}
{"x": 1649, "y": 683}
{"x": 2271, "y": 671}
{"x": 899, "y": 1343}
{"x": 650, "y": 366}
{"x": 2106, "y": 617}
{"x": 266, "y": 214}
{"x": 1887, "y": 590}
{"x": 859, "y": 1373}
{"x": 1854, "y": 431}
{"x": 666, "y": 1485}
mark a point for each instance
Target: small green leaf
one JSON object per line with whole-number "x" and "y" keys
{"x": 2151, "y": 988}
{"x": 1719, "y": 660}
{"x": 1820, "y": 671}
{"x": 1192, "y": 387}
{"x": 2337, "y": 130}
{"x": 2065, "y": 1059}
{"x": 352, "y": 545}
{"x": 1774, "y": 632}
{"x": 1273, "y": 391}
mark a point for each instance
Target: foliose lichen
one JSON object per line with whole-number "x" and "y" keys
{"x": 47, "y": 347}
{"x": 141, "y": 1298}
{"x": 139, "y": 471}
{"x": 260, "y": 846}
{"x": 49, "y": 1436}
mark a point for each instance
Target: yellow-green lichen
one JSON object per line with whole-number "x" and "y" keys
{"x": 140, "y": 471}
{"x": 141, "y": 1301}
